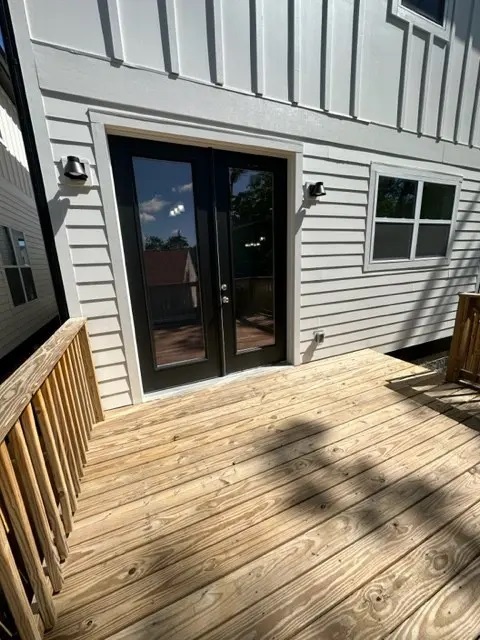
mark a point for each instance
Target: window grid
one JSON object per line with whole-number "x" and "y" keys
{"x": 22, "y": 262}
{"x": 377, "y": 171}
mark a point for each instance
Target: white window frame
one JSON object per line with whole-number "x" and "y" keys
{"x": 425, "y": 24}
{"x": 377, "y": 170}
{"x": 18, "y": 267}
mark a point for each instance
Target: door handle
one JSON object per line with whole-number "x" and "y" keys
{"x": 225, "y": 299}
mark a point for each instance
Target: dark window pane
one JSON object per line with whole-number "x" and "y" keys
{"x": 29, "y": 283}
{"x": 392, "y": 241}
{"x": 432, "y": 240}
{"x": 6, "y": 248}
{"x": 432, "y": 9}
{"x": 396, "y": 198}
{"x": 20, "y": 247}
{"x": 437, "y": 201}
{"x": 15, "y": 286}
{"x": 167, "y": 220}
{"x": 251, "y": 215}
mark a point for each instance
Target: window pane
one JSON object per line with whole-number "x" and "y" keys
{"x": 252, "y": 214}
{"x": 432, "y": 240}
{"x": 167, "y": 220}
{"x": 392, "y": 241}
{"x": 15, "y": 286}
{"x": 432, "y": 9}
{"x": 20, "y": 247}
{"x": 396, "y": 198}
{"x": 29, "y": 283}
{"x": 437, "y": 201}
{"x": 6, "y": 247}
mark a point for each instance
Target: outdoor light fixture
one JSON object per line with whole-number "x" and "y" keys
{"x": 316, "y": 190}
{"x": 74, "y": 169}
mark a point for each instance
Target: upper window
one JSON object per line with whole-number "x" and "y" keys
{"x": 16, "y": 266}
{"x": 432, "y": 16}
{"x": 411, "y": 218}
{"x": 432, "y": 9}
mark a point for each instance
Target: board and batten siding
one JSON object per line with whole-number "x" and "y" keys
{"x": 388, "y": 70}
{"x": 18, "y": 211}
{"x": 393, "y": 92}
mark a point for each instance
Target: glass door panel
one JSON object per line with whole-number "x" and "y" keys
{"x": 252, "y": 241}
{"x": 166, "y": 215}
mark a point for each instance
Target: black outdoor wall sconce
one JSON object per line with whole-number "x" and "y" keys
{"x": 74, "y": 169}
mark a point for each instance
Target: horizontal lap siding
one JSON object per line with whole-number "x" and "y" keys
{"x": 17, "y": 324}
{"x": 88, "y": 239}
{"x": 384, "y": 310}
{"x": 381, "y": 310}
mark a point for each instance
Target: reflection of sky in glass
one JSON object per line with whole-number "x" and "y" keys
{"x": 165, "y": 198}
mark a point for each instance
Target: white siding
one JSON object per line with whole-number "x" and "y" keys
{"x": 382, "y": 310}
{"x": 19, "y": 323}
{"x": 339, "y": 58}
{"x": 381, "y": 58}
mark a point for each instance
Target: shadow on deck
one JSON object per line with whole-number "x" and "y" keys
{"x": 335, "y": 500}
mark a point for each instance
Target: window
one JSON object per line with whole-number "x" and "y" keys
{"x": 431, "y": 16}
{"x": 16, "y": 266}
{"x": 411, "y": 218}
{"x": 432, "y": 9}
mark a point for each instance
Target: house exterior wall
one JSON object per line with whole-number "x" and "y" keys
{"x": 396, "y": 91}
{"x": 18, "y": 211}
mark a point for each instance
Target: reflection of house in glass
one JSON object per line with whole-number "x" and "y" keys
{"x": 175, "y": 312}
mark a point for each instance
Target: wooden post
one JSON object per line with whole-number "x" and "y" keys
{"x": 455, "y": 357}
{"x": 23, "y": 533}
{"x": 12, "y": 587}
{"x": 91, "y": 376}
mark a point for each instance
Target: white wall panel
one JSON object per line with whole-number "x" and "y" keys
{"x": 193, "y": 39}
{"x": 237, "y": 45}
{"x": 276, "y": 39}
{"x": 143, "y": 36}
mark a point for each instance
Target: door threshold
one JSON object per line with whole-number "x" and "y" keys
{"x": 212, "y": 382}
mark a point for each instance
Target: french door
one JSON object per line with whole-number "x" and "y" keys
{"x": 204, "y": 235}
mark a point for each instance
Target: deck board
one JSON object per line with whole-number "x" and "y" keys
{"x": 301, "y": 503}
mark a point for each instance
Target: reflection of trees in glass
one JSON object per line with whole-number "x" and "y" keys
{"x": 174, "y": 242}
{"x": 251, "y": 218}
{"x": 396, "y": 198}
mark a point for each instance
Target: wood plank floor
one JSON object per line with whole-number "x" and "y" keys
{"x": 336, "y": 500}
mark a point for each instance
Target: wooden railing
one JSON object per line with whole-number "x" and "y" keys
{"x": 464, "y": 357}
{"x": 47, "y": 410}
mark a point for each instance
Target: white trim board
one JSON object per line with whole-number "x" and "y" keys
{"x": 116, "y": 122}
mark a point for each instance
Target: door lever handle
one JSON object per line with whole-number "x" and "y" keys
{"x": 225, "y": 299}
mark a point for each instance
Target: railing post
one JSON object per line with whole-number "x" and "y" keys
{"x": 90, "y": 373}
{"x": 457, "y": 350}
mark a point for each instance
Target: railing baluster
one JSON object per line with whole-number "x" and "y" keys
{"x": 83, "y": 382}
{"x": 69, "y": 412}
{"x": 91, "y": 376}
{"x": 29, "y": 427}
{"x": 14, "y": 592}
{"x": 76, "y": 393}
{"x": 67, "y": 424}
{"x": 24, "y": 536}
{"x": 53, "y": 459}
{"x": 61, "y": 437}
{"x": 65, "y": 376}
{"x": 35, "y": 505}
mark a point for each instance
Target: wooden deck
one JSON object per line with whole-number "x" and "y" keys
{"x": 336, "y": 500}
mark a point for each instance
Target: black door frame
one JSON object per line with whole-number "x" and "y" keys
{"x": 212, "y": 222}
